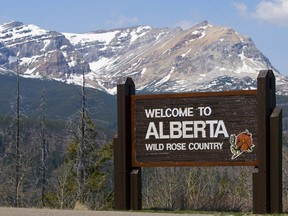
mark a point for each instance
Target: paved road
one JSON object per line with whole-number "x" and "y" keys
{"x": 55, "y": 212}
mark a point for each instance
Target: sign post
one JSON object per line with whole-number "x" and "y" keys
{"x": 276, "y": 161}
{"x": 127, "y": 179}
{"x": 269, "y": 148}
{"x": 233, "y": 128}
{"x": 122, "y": 146}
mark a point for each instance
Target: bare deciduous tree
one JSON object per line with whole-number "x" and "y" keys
{"x": 17, "y": 153}
{"x": 81, "y": 146}
{"x": 43, "y": 148}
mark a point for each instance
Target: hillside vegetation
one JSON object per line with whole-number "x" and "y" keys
{"x": 62, "y": 100}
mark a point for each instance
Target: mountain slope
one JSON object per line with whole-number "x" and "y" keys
{"x": 204, "y": 57}
{"x": 41, "y": 53}
{"x": 62, "y": 101}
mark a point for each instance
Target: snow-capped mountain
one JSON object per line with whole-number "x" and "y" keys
{"x": 204, "y": 57}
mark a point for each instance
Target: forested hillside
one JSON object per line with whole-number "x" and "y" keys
{"x": 55, "y": 144}
{"x": 62, "y": 100}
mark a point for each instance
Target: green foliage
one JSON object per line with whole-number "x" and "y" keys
{"x": 51, "y": 200}
{"x": 71, "y": 154}
{"x": 95, "y": 158}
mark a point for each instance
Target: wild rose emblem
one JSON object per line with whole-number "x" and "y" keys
{"x": 241, "y": 143}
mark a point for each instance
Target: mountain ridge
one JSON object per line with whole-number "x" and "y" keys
{"x": 202, "y": 58}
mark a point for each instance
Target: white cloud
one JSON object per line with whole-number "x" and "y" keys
{"x": 122, "y": 21}
{"x": 241, "y": 7}
{"x": 273, "y": 11}
{"x": 184, "y": 24}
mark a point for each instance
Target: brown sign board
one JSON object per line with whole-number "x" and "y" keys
{"x": 194, "y": 129}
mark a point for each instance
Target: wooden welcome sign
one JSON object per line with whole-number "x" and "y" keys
{"x": 194, "y": 129}
{"x": 232, "y": 128}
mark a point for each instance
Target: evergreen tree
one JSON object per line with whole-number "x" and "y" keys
{"x": 87, "y": 154}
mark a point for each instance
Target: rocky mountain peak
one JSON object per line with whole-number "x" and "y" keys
{"x": 204, "y": 23}
{"x": 12, "y": 24}
{"x": 203, "y": 57}
{"x": 41, "y": 53}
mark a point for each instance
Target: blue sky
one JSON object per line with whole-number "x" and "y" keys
{"x": 265, "y": 21}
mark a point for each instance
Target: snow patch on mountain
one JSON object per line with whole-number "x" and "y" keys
{"x": 18, "y": 31}
{"x": 12, "y": 59}
{"x": 82, "y": 39}
{"x": 202, "y": 58}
